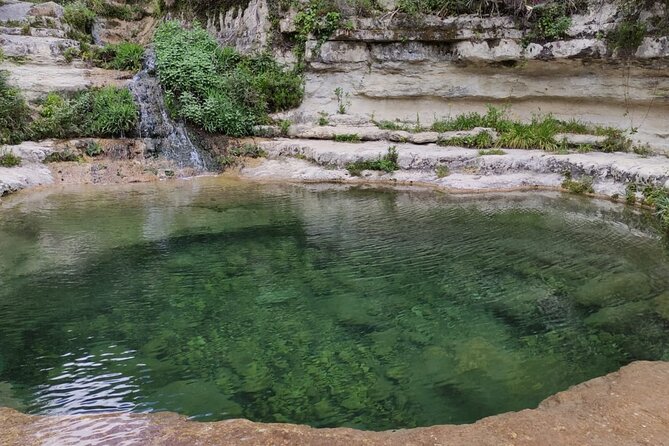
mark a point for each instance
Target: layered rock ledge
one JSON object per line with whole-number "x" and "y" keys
{"x": 456, "y": 168}
{"x": 628, "y": 407}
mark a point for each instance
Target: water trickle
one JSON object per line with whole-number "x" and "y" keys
{"x": 161, "y": 133}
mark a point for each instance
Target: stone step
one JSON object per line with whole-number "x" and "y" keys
{"x": 620, "y": 168}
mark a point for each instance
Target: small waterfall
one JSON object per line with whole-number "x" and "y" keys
{"x": 161, "y": 134}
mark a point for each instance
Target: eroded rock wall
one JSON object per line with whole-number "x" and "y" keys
{"x": 395, "y": 66}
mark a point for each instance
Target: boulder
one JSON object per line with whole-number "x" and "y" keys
{"x": 48, "y": 9}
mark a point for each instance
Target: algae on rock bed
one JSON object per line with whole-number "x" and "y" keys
{"x": 361, "y": 308}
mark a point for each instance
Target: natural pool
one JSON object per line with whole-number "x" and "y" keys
{"x": 326, "y": 306}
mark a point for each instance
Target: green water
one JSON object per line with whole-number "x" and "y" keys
{"x": 330, "y": 307}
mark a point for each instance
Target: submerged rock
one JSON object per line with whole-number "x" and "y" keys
{"x": 619, "y": 318}
{"x": 612, "y": 289}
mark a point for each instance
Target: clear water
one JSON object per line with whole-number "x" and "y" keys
{"x": 331, "y": 307}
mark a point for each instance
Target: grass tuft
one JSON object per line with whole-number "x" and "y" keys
{"x": 386, "y": 163}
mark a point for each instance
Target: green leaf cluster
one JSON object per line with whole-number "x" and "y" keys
{"x": 103, "y": 112}
{"x": 9, "y": 159}
{"x": 539, "y": 134}
{"x": 552, "y": 21}
{"x": 387, "y": 163}
{"x": 14, "y": 112}
{"x": 81, "y": 19}
{"x": 217, "y": 88}
{"x": 120, "y": 56}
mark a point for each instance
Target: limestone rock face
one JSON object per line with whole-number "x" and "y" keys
{"x": 247, "y": 29}
{"x": 31, "y": 172}
{"x": 48, "y": 9}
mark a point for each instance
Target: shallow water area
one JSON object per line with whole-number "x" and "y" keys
{"x": 321, "y": 305}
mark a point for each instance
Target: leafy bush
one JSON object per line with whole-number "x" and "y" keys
{"x": 108, "y": 111}
{"x": 318, "y": 19}
{"x": 94, "y": 149}
{"x": 627, "y": 36}
{"x": 121, "y": 56}
{"x": 582, "y": 186}
{"x": 114, "y": 112}
{"x": 14, "y": 112}
{"x": 8, "y": 159}
{"x": 550, "y": 23}
{"x": 219, "y": 89}
{"x": 112, "y": 10}
{"x": 442, "y": 171}
{"x": 81, "y": 20}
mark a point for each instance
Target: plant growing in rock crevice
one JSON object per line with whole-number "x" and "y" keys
{"x": 387, "y": 163}
{"x": 347, "y": 137}
{"x": 582, "y": 186}
{"x": 236, "y": 153}
{"x": 9, "y": 159}
{"x": 343, "y": 100}
{"x": 14, "y": 112}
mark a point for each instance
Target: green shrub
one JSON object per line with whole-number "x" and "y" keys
{"x": 348, "y": 137}
{"x": 551, "y": 22}
{"x": 386, "y": 163}
{"x": 284, "y": 127}
{"x": 442, "y": 171}
{"x": 14, "y": 112}
{"x": 108, "y": 111}
{"x": 94, "y": 148}
{"x": 582, "y": 186}
{"x": 114, "y": 112}
{"x": 656, "y": 197}
{"x": 121, "y": 56}
{"x": 8, "y": 159}
{"x": 627, "y": 36}
{"x": 630, "y": 193}
{"x": 319, "y": 19}
{"x": 81, "y": 20}
{"x": 71, "y": 53}
{"x": 112, "y": 10}
{"x": 219, "y": 89}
